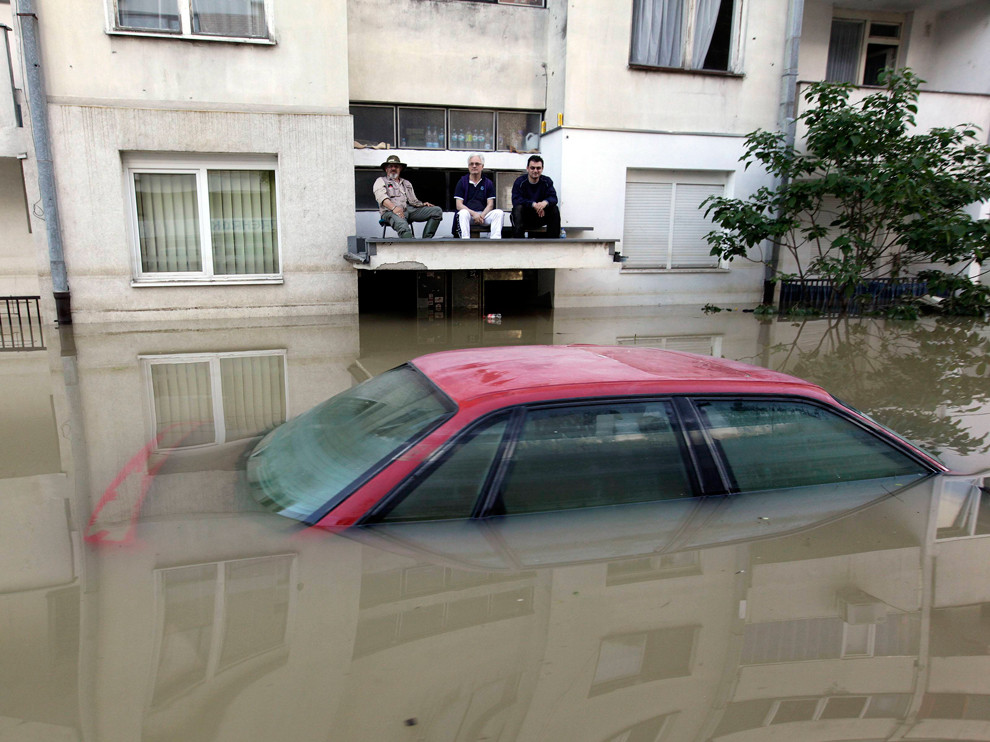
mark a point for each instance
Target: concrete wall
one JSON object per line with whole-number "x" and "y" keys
{"x": 963, "y": 62}
{"x": 602, "y": 92}
{"x": 589, "y": 168}
{"x": 316, "y": 206}
{"x": 447, "y": 53}
{"x": 305, "y": 67}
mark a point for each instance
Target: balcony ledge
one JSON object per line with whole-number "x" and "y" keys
{"x": 479, "y": 254}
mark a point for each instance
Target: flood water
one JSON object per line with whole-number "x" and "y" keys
{"x": 143, "y": 596}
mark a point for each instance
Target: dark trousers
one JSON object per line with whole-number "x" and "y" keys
{"x": 525, "y": 218}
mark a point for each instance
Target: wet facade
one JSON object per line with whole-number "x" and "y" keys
{"x": 146, "y": 596}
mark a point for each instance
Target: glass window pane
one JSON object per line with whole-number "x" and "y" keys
{"x": 374, "y": 125}
{"x": 472, "y": 130}
{"x": 842, "y": 707}
{"x": 421, "y": 128}
{"x": 168, "y": 222}
{"x": 238, "y": 18}
{"x": 503, "y": 190}
{"x": 148, "y": 15}
{"x": 620, "y": 657}
{"x": 243, "y": 222}
{"x": 518, "y": 132}
{"x": 364, "y": 183}
{"x": 183, "y": 397}
{"x": 188, "y": 596}
{"x": 843, "y": 51}
{"x": 796, "y": 710}
{"x": 774, "y": 444}
{"x": 452, "y": 489}
{"x": 253, "y": 394}
{"x": 256, "y": 607}
{"x": 594, "y": 455}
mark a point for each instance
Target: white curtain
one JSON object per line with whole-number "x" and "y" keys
{"x": 657, "y": 37}
{"x": 168, "y": 222}
{"x": 843, "y": 51}
{"x": 243, "y": 222}
{"x": 706, "y": 13}
{"x": 183, "y": 404}
{"x": 240, "y": 18}
{"x": 253, "y": 394}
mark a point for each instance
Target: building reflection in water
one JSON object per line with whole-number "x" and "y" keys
{"x": 744, "y": 619}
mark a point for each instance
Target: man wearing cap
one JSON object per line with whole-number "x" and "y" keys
{"x": 398, "y": 205}
{"x": 474, "y": 198}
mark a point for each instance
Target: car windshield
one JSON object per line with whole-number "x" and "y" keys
{"x": 311, "y": 462}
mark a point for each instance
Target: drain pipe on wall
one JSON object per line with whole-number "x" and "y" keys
{"x": 786, "y": 121}
{"x": 38, "y": 107}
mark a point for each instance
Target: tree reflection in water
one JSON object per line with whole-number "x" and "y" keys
{"x": 921, "y": 378}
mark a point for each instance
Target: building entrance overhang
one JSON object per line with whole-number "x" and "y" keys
{"x": 453, "y": 254}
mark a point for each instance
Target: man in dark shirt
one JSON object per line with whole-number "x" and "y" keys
{"x": 474, "y": 198}
{"x": 534, "y": 201}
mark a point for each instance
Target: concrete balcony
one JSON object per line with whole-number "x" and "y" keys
{"x": 373, "y": 253}
{"x": 934, "y": 108}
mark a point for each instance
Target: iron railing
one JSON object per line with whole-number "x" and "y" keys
{"x": 820, "y": 294}
{"x": 20, "y": 323}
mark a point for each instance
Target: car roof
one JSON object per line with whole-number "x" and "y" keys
{"x": 573, "y": 371}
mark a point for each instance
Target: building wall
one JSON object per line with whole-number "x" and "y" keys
{"x": 603, "y": 92}
{"x": 963, "y": 62}
{"x": 448, "y": 53}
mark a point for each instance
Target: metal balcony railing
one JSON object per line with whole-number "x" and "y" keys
{"x": 20, "y": 324}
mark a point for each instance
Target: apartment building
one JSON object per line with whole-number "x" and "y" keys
{"x": 211, "y": 159}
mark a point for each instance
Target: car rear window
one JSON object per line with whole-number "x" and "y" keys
{"x": 771, "y": 444}
{"x": 311, "y": 462}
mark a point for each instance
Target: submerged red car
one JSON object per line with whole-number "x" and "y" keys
{"x": 512, "y": 430}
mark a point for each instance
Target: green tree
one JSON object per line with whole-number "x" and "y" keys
{"x": 866, "y": 196}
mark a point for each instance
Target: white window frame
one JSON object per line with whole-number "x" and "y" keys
{"x": 216, "y": 388}
{"x": 821, "y": 704}
{"x": 866, "y": 18}
{"x": 200, "y": 167}
{"x": 871, "y": 637}
{"x": 185, "y": 26}
{"x": 676, "y": 177}
{"x": 687, "y": 47}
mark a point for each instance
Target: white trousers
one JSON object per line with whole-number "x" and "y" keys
{"x": 493, "y": 218}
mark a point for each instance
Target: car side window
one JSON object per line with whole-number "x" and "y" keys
{"x": 772, "y": 444}
{"x": 593, "y": 455}
{"x": 452, "y": 488}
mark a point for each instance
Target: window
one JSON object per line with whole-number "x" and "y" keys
{"x": 826, "y": 638}
{"x": 684, "y": 34}
{"x": 665, "y": 224}
{"x": 213, "y": 616}
{"x": 419, "y": 127}
{"x": 231, "y": 19}
{"x": 533, "y": 3}
{"x": 205, "y": 400}
{"x": 963, "y": 508}
{"x": 860, "y": 49}
{"x": 593, "y": 455}
{"x": 197, "y": 220}
{"x": 651, "y": 730}
{"x": 810, "y": 445}
{"x": 630, "y": 659}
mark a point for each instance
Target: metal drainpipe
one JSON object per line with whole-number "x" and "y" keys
{"x": 38, "y": 107}
{"x": 786, "y": 120}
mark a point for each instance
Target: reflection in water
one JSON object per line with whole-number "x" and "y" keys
{"x": 846, "y": 614}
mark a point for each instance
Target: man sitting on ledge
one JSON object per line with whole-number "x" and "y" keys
{"x": 474, "y": 198}
{"x": 534, "y": 201}
{"x": 398, "y": 205}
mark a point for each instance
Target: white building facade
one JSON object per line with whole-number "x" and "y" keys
{"x": 211, "y": 158}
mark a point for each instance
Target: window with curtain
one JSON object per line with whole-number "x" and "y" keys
{"x": 203, "y": 223}
{"x": 204, "y": 400}
{"x": 235, "y": 19}
{"x": 684, "y": 34}
{"x": 665, "y": 223}
{"x": 859, "y": 49}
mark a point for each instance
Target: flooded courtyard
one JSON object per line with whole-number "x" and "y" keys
{"x": 146, "y": 596}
